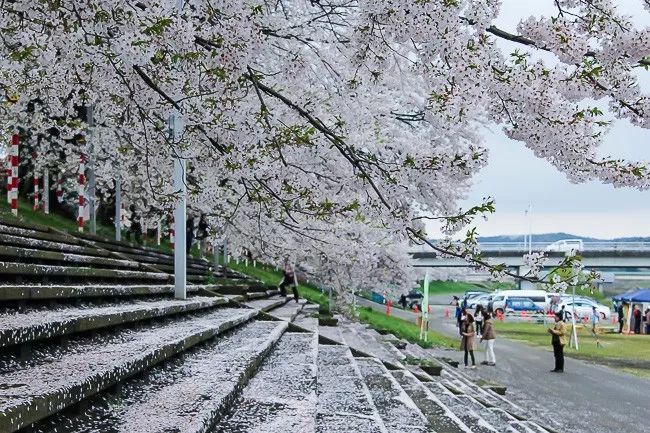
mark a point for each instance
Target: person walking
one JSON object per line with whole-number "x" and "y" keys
{"x": 202, "y": 235}
{"x": 288, "y": 280}
{"x": 621, "y": 317}
{"x": 488, "y": 337}
{"x": 595, "y": 318}
{"x": 636, "y": 315}
{"x": 558, "y": 340}
{"x": 478, "y": 318}
{"x": 647, "y": 321}
{"x": 468, "y": 339}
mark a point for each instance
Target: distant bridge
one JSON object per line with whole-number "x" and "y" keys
{"x": 596, "y": 255}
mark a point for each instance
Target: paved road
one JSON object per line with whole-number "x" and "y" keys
{"x": 587, "y": 398}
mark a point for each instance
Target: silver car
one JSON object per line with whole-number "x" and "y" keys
{"x": 584, "y": 307}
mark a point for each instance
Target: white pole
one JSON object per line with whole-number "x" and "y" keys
{"x": 46, "y": 191}
{"x": 180, "y": 215}
{"x": 118, "y": 208}
{"x": 574, "y": 335}
{"x": 425, "y": 308}
{"x": 530, "y": 229}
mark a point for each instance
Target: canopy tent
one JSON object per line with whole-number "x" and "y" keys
{"x": 636, "y": 295}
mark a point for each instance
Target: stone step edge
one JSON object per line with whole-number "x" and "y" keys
{"x": 33, "y": 292}
{"x": 227, "y": 403}
{"x": 44, "y": 331}
{"x": 22, "y": 253}
{"x": 40, "y": 407}
{"x": 431, "y": 395}
{"x": 10, "y": 268}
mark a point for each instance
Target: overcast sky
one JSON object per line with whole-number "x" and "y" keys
{"x": 516, "y": 178}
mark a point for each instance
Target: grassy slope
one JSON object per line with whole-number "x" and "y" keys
{"x": 403, "y": 329}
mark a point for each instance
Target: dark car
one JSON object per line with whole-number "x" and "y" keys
{"x": 514, "y": 305}
{"x": 414, "y": 297}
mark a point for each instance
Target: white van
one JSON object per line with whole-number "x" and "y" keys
{"x": 541, "y": 298}
{"x": 566, "y": 245}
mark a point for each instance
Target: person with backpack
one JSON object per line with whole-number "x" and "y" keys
{"x": 468, "y": 339}
{"x": 488, "y": 337}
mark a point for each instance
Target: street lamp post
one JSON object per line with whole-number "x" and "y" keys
{"x": 180, "y": 211}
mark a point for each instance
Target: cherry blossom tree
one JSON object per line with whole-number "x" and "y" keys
{"x": 326, "y": 131}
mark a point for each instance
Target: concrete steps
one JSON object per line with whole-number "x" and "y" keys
{"x": 440, "y": 418}
{"x": 282, "y": 395}
{"x": 51, "y": 380}
{"x": 344, "y": 401}
{"x": 398, "y": 412}
{"x": 188, "y": 393}
{"x": 20, "y": 326}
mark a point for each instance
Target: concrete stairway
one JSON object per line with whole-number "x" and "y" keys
{"x": 33, "y": 254}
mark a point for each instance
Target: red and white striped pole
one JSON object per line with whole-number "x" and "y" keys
{"x": 81, "y": 192}
{"x": 59, "y": 188}
{"x": 15, "y": 161}
{"x": 35, "y": 182}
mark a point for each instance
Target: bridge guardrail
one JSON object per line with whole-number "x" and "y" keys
{"x": 541, "y": 246}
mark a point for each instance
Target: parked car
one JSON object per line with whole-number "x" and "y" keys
{"x": 566, "y": 245}
{"x": 516, "y": 305}
{"x": 583, "y": 307}
{"x": 541, "y": 298}
{"x": 482, "y": 299}
{"x": 414, "y": 297}
{"x": 470, "y": 294}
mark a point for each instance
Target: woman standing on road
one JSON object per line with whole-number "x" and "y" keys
{"x": 488, "y": 337}
{"x": 468, "y": 339}
{"x": 558, "y": 341}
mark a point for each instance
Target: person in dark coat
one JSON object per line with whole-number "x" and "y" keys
{"x": 189, "y": 234}
{"x": 135, "y": 225}
{"x": 202, "y": 235}
{"x": 621, "y": 317}
{"x": 402, "y": 301}
{"x": 558, "y": 341}
{"x": 468, "y": 339}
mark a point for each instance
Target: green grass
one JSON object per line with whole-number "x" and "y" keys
{"x": 613, "y": 346}
{"x": 403, "y": 329}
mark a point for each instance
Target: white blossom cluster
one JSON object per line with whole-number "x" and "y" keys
{"x": 317, "y": 131}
